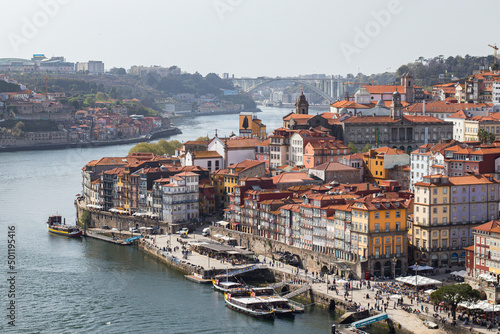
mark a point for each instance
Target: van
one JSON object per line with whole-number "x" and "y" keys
{"x": 206, "y": 232}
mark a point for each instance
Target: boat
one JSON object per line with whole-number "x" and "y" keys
{"x": 227, "y": 286}
{"x": 57, "y": 226}
{"x": 249, "y": 305}
{"x": 280, "y": 305}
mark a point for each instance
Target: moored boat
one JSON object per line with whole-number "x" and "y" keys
{"x": 249, "y": 305}
{"x": 280, "y": 305}
{"x": 228, "y": 286}
{"x": 56, "y": 225}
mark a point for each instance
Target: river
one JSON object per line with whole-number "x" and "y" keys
{"x": 88, "y": 286}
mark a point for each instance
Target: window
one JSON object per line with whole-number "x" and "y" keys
{"x": 377, "y": 215}
{"x": 377, "y": 227}
{"x": 398, "y": 214}
{"x": 398, "y": 226}
{"x": 387, "y": 214}
{"x": 387, "y": 227}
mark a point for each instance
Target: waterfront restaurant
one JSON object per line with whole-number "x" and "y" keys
{"x": 229, "y": 254}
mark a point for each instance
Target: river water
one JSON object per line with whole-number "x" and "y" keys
{"x": 89, "y": 286}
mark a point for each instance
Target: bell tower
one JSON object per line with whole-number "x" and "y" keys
{"x": 302, "y": 106}
{"x": 396, "y": 106}
{"x": 407, "y": 83}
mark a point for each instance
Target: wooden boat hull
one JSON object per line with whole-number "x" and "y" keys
{"x": 66, "y": 234}
{"x": 262, "y": 315}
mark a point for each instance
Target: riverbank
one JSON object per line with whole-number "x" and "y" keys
{"x": 213, "y": 113}
{"x": 60, "y": 146}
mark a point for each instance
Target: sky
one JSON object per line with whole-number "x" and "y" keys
{"x": 250, "y": 38}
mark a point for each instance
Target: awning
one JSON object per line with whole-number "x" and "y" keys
{"x": 419, "y": 268}
{"x": 222, "y": 223}
{"x": 235, "y": 224}
{"x": 417, "y": 280}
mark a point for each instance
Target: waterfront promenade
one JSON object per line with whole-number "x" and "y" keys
{"x": 409, "y": 321}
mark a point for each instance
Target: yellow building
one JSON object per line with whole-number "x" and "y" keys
{"x": 380, "y": 235}
{"x": 251, "y": 126}
{"x": 377, "y": 164}
{"x": 474, "y": 124}
{"x": 234, "y": 173}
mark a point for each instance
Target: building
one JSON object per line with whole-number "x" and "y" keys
{"x": 91, "y": 67}
{"x": 180, "y": 198}
{"x": 334, "y": 171}
{"x": 300, "y": 139}
{"x": 446, "y": 210}
{"x": 234, "y": 149}
{"x": 236, "y": 172}
{"x": 428, "y": 160}
{"x": 210, "y": 160}
{"x": 378, "y": 234}
{"x": 323, "y": 151}
{"x": 397, "y": 130}
{"x": 378, "y": 163}
{"x": 251, "y": 126}
{"x": 483, "y": 260}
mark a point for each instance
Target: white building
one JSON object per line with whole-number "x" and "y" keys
{"x": 234, "y": 149}
{"x": 210, "y": 160}
{"x": 458, "y": 119}
{"x": 92, "y": 66}
{"x": 180, "y": 198}
{"x": 425, "y": 161}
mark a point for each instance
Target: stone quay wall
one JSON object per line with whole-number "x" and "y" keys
{"x": 313, "y": 261}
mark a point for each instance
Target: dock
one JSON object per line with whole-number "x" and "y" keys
{"x": 197, "y": 279}
{"x": 119, "y": 241}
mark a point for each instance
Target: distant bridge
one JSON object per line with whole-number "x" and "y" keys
{"x": 330, "y": 89}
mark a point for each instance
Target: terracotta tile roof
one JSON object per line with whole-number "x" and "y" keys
{"x": 238, "y": 143}
{"x": 291, "y": 177}
{"x": 206, "y": 154}
{"x": 334, "y": 166}
{"x": 352, "y": 105}
{"x": 443, "y": 107}
{"x": 422, "y": 119}
{"x": 384, "y": 89}
{"x": 297, "y": 117}
{"x": 487, "y": 227}
{"x": 458, "y": 114}
{"x": 370, "y": 119}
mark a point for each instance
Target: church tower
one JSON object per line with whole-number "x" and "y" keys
{"x": 396, "y": 106}
{"x": 302, "y": 106}
{"x": 407, "y": 83}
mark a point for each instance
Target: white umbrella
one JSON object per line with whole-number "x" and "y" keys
{"x": 395, "y": 297}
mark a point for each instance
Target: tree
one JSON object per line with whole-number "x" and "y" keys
{"x": 495, "y": 67}
{"x": 100, "y": 96}
{"x": 490, "y": 137}
{"x": 366, "y": 148}
{"x": 202, "y": 138}
{"x": 353, "y": 148}
{"x": 454, "y": 294}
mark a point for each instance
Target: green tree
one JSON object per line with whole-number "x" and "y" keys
{"x": 100, "y": 96}
{"x": 366, "y": 148}
{"x": 203, "y": 138}
{"x": 353, "y": 148}
{"x": 89, "y": 101}
{"x": 454, "y": 294}
{"x": 490, "y": 137}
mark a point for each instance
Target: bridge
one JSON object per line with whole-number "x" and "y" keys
{"x": 330, "y": 89}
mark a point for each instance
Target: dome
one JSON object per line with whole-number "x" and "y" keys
{"x": 380, "y": 103}
{"x": 396, "y": 93}
{"x": 343, "y": 110}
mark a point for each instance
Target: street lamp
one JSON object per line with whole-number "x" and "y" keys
{"x": 416, "y": 281}
{"x": 394, "y": 260}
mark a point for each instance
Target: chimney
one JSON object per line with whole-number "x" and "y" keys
{"x": 423, "y": 108}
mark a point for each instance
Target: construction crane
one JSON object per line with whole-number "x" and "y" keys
{"x": 496, "y": 49}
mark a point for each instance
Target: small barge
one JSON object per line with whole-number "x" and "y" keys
{"x": 56, "y": 225}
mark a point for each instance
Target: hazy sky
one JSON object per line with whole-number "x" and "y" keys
{"x": 250, "y": 37}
